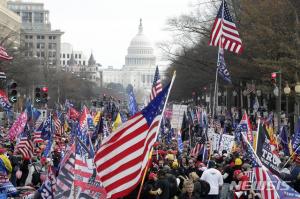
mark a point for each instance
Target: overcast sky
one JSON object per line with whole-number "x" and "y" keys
{"x": 106, "y": 27}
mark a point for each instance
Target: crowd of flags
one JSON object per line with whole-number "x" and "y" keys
{"x": 107, "y": 159}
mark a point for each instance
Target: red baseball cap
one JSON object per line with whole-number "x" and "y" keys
{"x": 237, "y": 172}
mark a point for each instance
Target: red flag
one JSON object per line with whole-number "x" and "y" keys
{"x": 3, "y": 54}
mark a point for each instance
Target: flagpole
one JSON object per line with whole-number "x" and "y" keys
{"x": 216, "y": 79}
{"x": 157, "y": 129}
{"x": 291, "y": 156}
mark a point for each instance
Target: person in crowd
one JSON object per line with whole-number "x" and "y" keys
{"x": 189, "y": 192}
{"x": 150, "y": 190}
{"x": 215, "y": 180}
{"x": 201, "y": 187}
{"x": 163, "y": 184}
{"x": 241, "y": 190}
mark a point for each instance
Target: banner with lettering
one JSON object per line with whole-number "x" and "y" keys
{"x": 267, "y": 155}
{"x": 226, "y": 142}
{"x": 18, "y": 126}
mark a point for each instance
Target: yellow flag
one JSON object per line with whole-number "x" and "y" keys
{"x": 96, "y": 118}
{"x": 117, "y": 122}
{"x": 66, "y": 127}
{"x": 6, "y": 162}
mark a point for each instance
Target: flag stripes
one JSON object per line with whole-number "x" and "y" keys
{"x": 25, "y": 147}
{"x": 120, "y": 170}
{"x": 267, "y": 190}
{"x": 224, "y": 32}
{"x": 157, "y": 86}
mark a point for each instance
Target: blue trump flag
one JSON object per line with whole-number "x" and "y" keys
{"x": 282, "y": 188}
{"x": 284, "y": 140}
{"x": 180, "y": 143}
{"x": 222, "y": 68}
{"x": 132, "y": 105}
{"x": 296, "y": 139}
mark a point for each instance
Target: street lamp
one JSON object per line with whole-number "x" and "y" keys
{"x": 287, "y": 92}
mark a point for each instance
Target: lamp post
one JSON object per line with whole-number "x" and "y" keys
{"x": 287, "y": 92}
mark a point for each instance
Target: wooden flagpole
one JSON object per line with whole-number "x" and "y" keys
{"x": 157, "y": 129}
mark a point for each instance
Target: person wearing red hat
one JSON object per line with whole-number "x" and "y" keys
{"x": 150, "y": 189}
{"x": 243, "y": 185}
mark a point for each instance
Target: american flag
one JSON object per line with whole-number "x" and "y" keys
{"x": 157, "y": 86}
{"x": 198, "y": 147}
{"x": 224, "y": 32}
{"x": 123, "y": 155}
{"x": 267, "y": 188}
{"x": 3, "y": 54}
{"x": 37, "y": 134}
{"x": 250, "y": 88}
{"x": 25, "y": 145}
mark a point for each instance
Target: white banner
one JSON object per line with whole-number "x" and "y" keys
{"x": 225, "y": 144}
{"x": 177, "y": 115}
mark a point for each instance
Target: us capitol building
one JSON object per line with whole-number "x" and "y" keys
{"x": 138, "y": 71}
{"x": 140, "y": 64}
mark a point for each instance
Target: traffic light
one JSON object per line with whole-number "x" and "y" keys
{"x": 12, "y": 92}
{"x": 44, "y": 94}
{"x": 38, "y": 95}
{"x": 273, "y": 78}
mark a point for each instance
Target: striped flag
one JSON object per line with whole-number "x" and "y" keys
{"x": 3, "y": 54}
{"x": 123, "y": 155}
{"x": 2, "y": 75}
{"x": 86, "y": 181}
{"x": 157, "y": 86}
{"x": 25, "y": 145}
{"x": 262, "y": 178}
{"x": 224, "y": 32}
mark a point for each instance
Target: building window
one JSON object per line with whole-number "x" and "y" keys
{"x": 83, "y": 63}
{"x": 79, "y": 62}
{"x": 68, "y": 56}
{"x": 38, "y": 17}
{"x": 40, "y": 37}
{"x": 52, "y": 45}
{"x": 40, "y": 45}
{"x": 27, "y": 17}
{"x": 76, "y": 56}
{"x": 79, "y": 56}
{"x": 64, "y": 56}
{"x": 64, "y": 62}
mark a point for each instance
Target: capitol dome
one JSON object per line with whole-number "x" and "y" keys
{"x": 140, "y": 51}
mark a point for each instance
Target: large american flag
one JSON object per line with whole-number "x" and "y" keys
{"x": 25, "y": 145}
{"x": 262, "y": 178}
{"x": 123, "y": 155}
{"x": 4, "y": 55}
{"x": 224, "y": 32}
{"x": 157, "y": 86}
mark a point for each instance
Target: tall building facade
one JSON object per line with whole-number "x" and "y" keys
{"x": 65, "y": 55}
{"x": 10, "y": 26}
{"x": 36, "y": 34}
